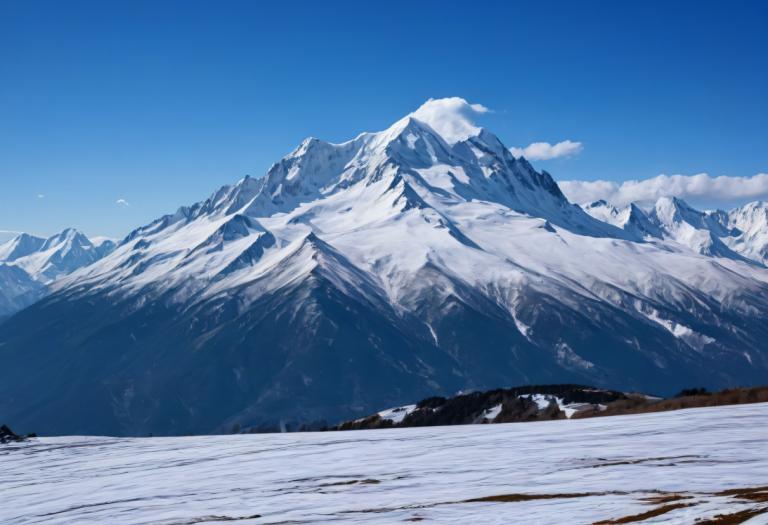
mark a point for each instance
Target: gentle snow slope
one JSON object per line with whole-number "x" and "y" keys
{"x": 602, "y": 468}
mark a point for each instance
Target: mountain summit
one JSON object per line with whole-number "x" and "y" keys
{"x": 419, "y": 260}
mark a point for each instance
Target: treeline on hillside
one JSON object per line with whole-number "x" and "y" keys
{"x": 543, "y": 403}
{"x": 689, "y": 398}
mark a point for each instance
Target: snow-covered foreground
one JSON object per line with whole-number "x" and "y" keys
{"x": 593, "y": 469}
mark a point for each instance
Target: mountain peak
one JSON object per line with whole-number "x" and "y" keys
{"x": 69, "y": 236}
{"x": 20, "y": 246}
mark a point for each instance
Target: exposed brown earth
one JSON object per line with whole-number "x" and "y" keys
{"x": 514, "y": 498}
{"x": 663, "y": 503}
{"x": 734, "y": 518}
{"x": 757, "y": 494}
{"x": 658, "y": 511}
{"x": 637, "y": 404}
{"x": 665, "y": 498}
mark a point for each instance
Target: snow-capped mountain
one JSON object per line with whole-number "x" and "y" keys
{"x": 738, "y": 234}
{"x": 397, "y": 265}
{"x": 29, "y": 263}
{"x": 749, "y": 226}
{"x": 48, "y": 259}
{"x": 631, "y": 219}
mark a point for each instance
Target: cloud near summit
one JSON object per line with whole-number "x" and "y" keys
{"x": 451, "y": 117}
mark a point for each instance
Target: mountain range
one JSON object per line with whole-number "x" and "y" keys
{"x": 739, "y": 234}
{"x": 398, "y": 265}
{"x": 29, "y": 264}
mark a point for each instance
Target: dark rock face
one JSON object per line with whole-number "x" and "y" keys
{"x": 9, "y": 436}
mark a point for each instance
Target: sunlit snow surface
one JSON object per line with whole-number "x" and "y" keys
{"x": 397, "y": 475}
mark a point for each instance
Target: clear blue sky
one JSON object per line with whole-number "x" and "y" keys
{"x": 161, "y": 102}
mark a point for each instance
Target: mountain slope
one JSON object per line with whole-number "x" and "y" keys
{"x": 17, "y": 290}
{"x": 397, "y": 265}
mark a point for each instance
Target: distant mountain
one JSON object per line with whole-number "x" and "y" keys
{"x": 20, "y": 246}
{"x": 28, "y": 264}
{"x": 395, "y": 266}
{"x": 631, "y": 218}
{"x": 739, "y": 234}
{"x": 749, "y": 226}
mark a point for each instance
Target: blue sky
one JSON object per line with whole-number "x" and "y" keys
{"x": 159, "y": 103}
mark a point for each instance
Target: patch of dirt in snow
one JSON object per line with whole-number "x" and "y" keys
{"x": 513, "y": 498}
{"x": 664, "y": 509}
{"x": 735, "y": 518}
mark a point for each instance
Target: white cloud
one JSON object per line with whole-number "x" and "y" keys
{"x": 546, "y": 151}
{"x": 40, "y": 195}
{"x": 700, "y": 187}
{"x": 450, "y": 117}
{"x": 122, "y": 203}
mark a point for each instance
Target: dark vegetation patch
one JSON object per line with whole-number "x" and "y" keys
{"x": 641, "y": 405}
{"x": 473, "y": 407}
{"x": 687, "y": 392}
{"x": 516, "y": 405}
{"x": 9, "y": 436}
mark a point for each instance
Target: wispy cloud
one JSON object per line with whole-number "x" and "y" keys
{"x": 122, "y": 203}
{"x": 546, "y": 151}
{"x": 450, "y": 117}
{"x": 701, "y": 187}
{"x": 41, "y": 195}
